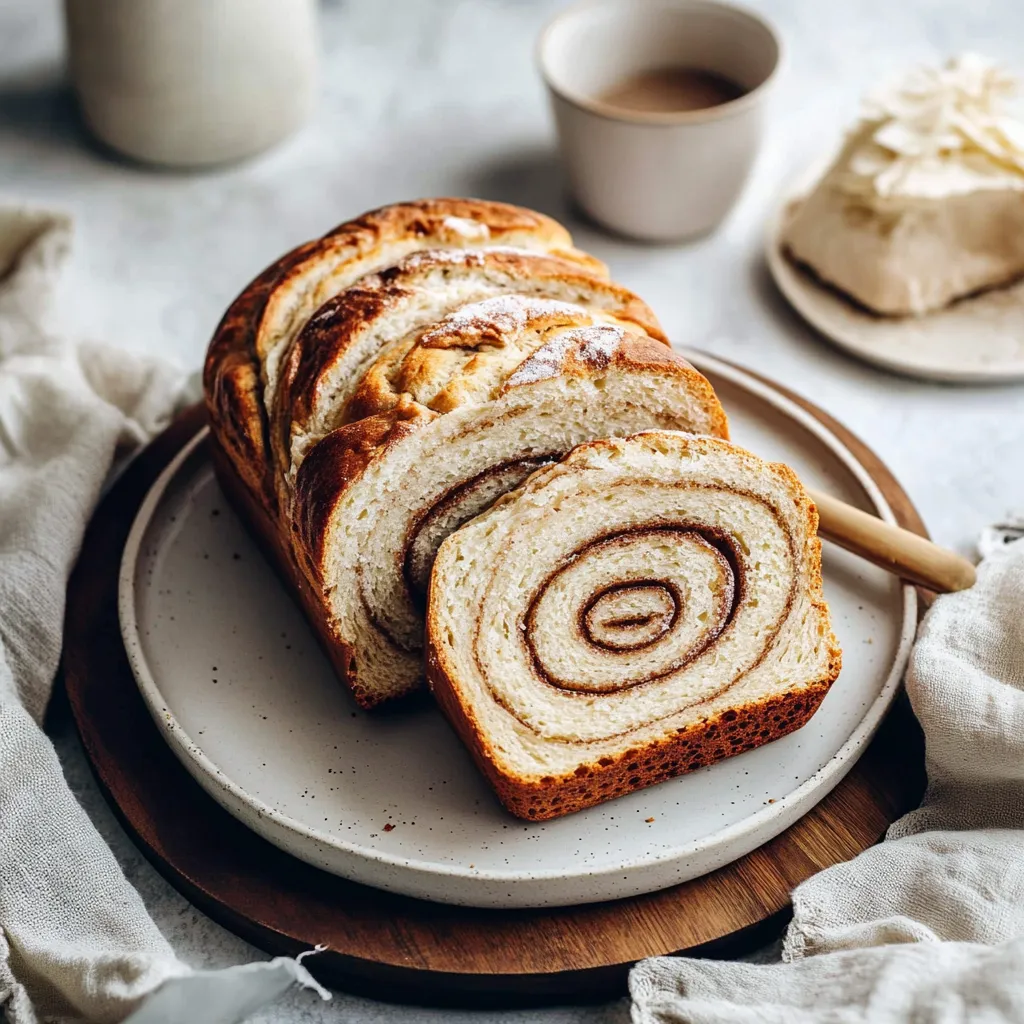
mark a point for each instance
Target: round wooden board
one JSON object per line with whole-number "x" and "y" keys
{"x": 394, "y": 947}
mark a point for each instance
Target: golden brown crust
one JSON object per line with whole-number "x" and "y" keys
{"x": 722, "y": 735}
{"x": 426, "y": 219}
{"x": 232, "y": 388}
{"x": 447, "y": 365}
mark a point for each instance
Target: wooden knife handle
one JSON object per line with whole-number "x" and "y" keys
{"x": 899, "y": 551}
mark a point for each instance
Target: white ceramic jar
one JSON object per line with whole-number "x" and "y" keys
{"x": 187, "y": 83}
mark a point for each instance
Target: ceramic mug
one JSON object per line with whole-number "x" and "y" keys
{"x": 192, "y": 82}
{"x": 657, "y": 176}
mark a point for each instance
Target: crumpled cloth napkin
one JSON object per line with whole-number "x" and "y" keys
{"x": 76, "y": 942}
{"x": 927, "y": 927}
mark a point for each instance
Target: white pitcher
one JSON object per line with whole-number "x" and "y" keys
{"x": 191, "y": 82}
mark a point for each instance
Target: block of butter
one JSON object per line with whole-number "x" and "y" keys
{"x": 925, "y": 202}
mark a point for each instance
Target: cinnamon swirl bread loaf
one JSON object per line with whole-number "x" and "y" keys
{"x": 375, "y": 389}
{"x": 643, "y": 608}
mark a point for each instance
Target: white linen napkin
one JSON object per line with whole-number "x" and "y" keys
{"x": 929, "y": 925}
{"x": 76, "y": 942}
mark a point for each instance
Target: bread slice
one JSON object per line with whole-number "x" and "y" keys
{"x": 641, "y": 609}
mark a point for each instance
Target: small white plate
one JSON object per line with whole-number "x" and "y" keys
{"x": 976, "y": 340}
{"x": 240, "y": 690}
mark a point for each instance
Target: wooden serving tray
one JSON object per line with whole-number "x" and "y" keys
{"x": 402, "y": 949}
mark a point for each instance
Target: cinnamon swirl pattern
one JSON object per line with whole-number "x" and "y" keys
{"x": 641, "y": 609}
{"x": 379, "y": 387}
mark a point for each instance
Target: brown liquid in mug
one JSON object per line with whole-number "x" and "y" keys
{"x": 670, "y": 90}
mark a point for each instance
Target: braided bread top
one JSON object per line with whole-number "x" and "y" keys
{"x": 255, "y": 335}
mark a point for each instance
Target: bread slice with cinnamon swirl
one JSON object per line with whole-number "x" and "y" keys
{"x": 643, "y": 608}
{"x": 377, "y": 388}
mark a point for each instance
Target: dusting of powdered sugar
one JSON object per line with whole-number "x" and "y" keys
{"x": 453, "y": 257}
{"x": 514, "y": 250}
{"x": 498, "y": 318}
{"x": 594, "y": 345}
{"x": 467, "y": 228}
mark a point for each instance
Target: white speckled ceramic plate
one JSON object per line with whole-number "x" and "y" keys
{"x": 976, "y": 340}
{"x": 237, "y": 684}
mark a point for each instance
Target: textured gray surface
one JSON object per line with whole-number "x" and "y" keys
{"x": 426, "y": 97}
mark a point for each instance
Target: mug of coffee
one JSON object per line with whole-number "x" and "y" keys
{"x": 659, "y": 107}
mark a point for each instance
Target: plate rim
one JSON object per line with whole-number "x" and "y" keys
{"x": 764, "y": 823}
{"x": 795, "y": 285}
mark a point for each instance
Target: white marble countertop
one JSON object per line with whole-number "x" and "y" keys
{"x": 423, "y": 97}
